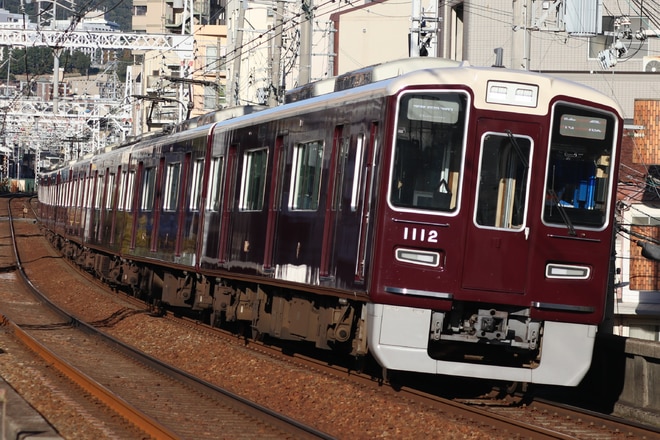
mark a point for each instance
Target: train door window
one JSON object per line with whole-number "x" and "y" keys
{"x": 110, "y": 197}
{"x": 130, "y": 191}
{"x": 98, "y": 195}
{"x": 357, "y": 174}
{"x": 503, "y": 180}
{"x": 306, "y": 179}
{"x": 196, "y": 185}
{"x": 148, "y": 189}
{"x": 79, "y": 191}
{"x": 172, "y": 186}
{"x": 82, "y": 192}
{"x": 215, "y": 184}
{"x": 428, "y": 151}
{"x": 253, "y": 181}
{"x": 89, "y": 192}
{"x": 67, "y": 197}
{"x": 121, "y": 186}
{"x": 578, "y": 175}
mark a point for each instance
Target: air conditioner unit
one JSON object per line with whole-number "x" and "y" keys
{"x": 651, "y": 64}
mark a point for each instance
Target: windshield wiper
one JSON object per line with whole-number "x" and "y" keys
{"x": 514, "y": 142}
{"x": 562, "y": 213}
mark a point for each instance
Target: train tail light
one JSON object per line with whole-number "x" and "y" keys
{"x": 567, "y": 271}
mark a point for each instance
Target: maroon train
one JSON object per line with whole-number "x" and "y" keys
{"x": 444, "y": 218}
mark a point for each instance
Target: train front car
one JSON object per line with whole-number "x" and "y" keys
{"x": 494, "y": 237}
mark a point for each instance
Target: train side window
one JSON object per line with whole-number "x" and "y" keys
{"x": 253, "y": 181}
{"x": 130, "y": 191}
{"x": 578, "y": 175}
{"x": 215, "y": 184}
{"x": 121, "y": 202}
{"x": 148, "y": 189}
{"x": 82, "y": 192}
{"x": 67, "y": 194}
{"x": 110, "y": 197}
{"x": 172, "y": 182}
{"x": 428, "y": 151}
{"x": 196, "y": 185}
{"x": 89, "y": 189}
{"x": 100, "y": 179}
{"x": 503, "y": 180}
{"x": 79, "y": 191}
{"x": 306, "y": 179}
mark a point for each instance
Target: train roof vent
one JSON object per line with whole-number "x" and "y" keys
{"x": 367, "y": 75}
{"x": 310, "y": 90}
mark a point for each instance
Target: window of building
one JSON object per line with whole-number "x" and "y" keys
{"x": 210, "y": 98}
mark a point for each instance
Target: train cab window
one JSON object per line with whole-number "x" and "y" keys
{"x": 428, "y": 151}
{"x": 503, "y": 180}
{"x": 306, "y": 179}
{"x": 172, "y": 182}
{"x": 578, "y": 170}
{"x": 253, "y": 181}
{"x": 215, "y": 184}
{"x": 148, "y": 189}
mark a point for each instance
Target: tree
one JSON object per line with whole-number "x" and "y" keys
{"x": 77, "y": 61}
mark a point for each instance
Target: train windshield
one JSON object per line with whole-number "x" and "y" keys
{"x": 578, "y": 174}
{"x": 428, "y": 150}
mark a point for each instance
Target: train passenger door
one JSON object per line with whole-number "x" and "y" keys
{"x": 366, "y": 183}
{"x": 274, "y": 201}
{"x": 497, "y": 243}
{"x": 227, "y": 202}
{"x": 332, "y": 201}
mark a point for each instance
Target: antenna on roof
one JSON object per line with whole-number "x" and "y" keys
{"x": 499, "y": 52}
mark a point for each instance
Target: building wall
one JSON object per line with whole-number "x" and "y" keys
{"x": 371, "y": 34}
{"x": 209, "y": 65}
{"x": 152, "y": 22}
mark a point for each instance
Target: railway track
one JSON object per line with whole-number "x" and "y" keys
{"x": 159, "y": 400}
{"x": 492, "y": 417}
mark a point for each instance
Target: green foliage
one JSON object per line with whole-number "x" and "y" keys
{"x": 39, "y": 61}
{"x": 76, "y": 61}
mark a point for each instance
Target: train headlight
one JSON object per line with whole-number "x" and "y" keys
{"x": 424, "y": 258}
{"x": 567, "y": 271}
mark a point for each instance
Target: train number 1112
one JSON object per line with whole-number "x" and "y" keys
{"x": 420, "y": 234}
